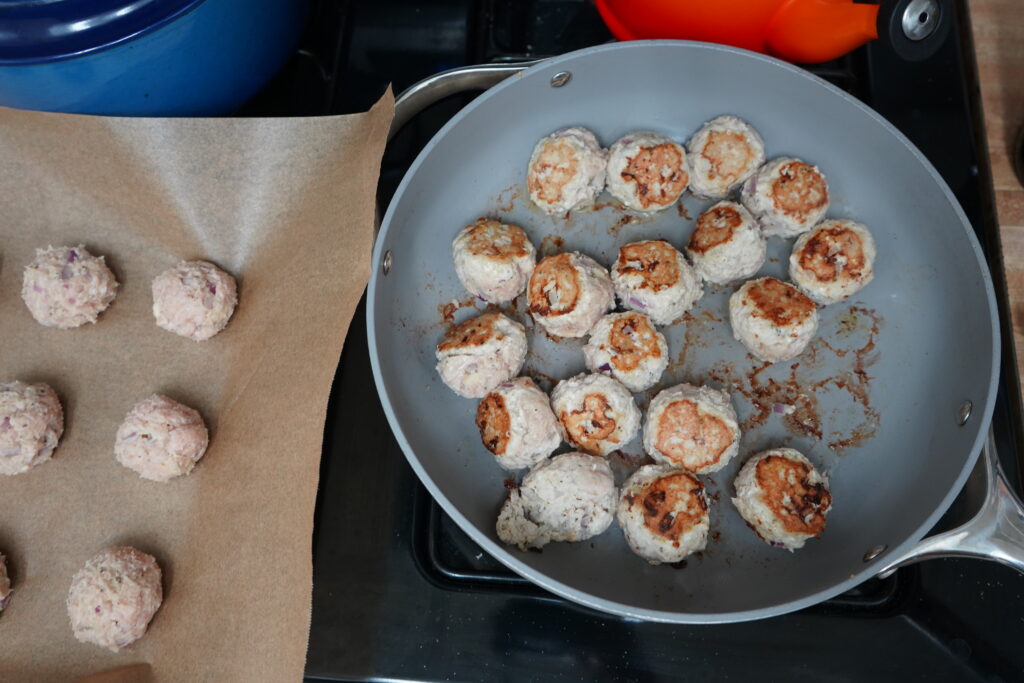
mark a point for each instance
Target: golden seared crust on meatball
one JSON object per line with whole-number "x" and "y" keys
{"x": 647, "y": 171}
{"x": 782, "y": 497}
{"x": 714, "y": 227}
{"x": 663, "y": 512}
{"x": 779, "y": 302}
{"x": 555, "y": 286}
{"x": 833, "y": 261}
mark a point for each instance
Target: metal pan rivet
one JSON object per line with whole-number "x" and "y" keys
{"x": 920, "y": 19}
{"x": 560, "y": 79}
{"x": 964, "y": 414}
{"x": 875, "y": 552}
{"x": 387, "y": 262}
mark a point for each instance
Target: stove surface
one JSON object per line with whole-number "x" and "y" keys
{"x": 400, "y": 592}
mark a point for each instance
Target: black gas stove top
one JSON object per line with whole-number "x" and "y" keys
{"x": 400, "y": 593}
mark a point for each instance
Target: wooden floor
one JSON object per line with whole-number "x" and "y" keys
{"x": 998, "y": 27}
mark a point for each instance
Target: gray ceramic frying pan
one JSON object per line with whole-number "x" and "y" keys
{"x": 880, "y": 397}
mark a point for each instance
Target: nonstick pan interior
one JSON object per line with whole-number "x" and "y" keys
{"x": 880, "y": 393}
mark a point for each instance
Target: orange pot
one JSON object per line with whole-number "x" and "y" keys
{"x": 807, "y": 31}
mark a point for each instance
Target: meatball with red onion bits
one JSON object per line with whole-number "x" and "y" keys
{"x": 834, "y": 261}
{"x": 783, "y": 498}
{"x": 566, "y": 170}
{"x": 727, "y": 244}
{"x": 478, "y": 354}
{"x": 161, "y": 439}
{"x": 629, "y": 348}
{"x": 773, "y": 319}
{"x": 568, "y": 293}
{"x": 517, "y": 425}
{"x": 597, "y": 412}
{"x": 31, "y": 424}
{"x": 723, "y": 154}
{"x": 663, "y": 512}
{"x": 787, "y": 196}
{"x": 647, "y": 171}
{"x": 692, "y": 427}
{"x": 653, "y": 278}
{"x": 570, "y": 497}
{"x": 493, "y": 260}
{"x": 194, "y": 299}
{"x": 66, "y": 287}
{"x": 114, "y": 597}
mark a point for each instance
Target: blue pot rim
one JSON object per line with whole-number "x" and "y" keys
{"x": 45, "y": 31}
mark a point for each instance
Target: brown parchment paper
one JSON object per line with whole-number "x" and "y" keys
{"x": 287, "y": 206}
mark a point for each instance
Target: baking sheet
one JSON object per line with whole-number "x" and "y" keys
{"x": 286, "y": 205}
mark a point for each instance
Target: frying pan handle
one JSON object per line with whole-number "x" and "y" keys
{"x": 421, "y": 95}
{"x": 995, "y": 533}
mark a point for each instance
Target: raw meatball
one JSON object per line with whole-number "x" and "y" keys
{"x": 694, "y": 428}
{"x": 727, "y": 244}
{"x": 773, "y": 319}
{"x": 569, "y": 293}
{"x": 597, "y": 412}
{"x": 570, "y": 497}
{"x": 161, "y": 439}
{"x": 67, "y": 287}
{"x": 516, "y": 424}
{"x": 647, "y": 171}
{"x": 833, "y": 261}
{"x": 654, "y": 278}
{"x": 114, "y": 597}
{"x": 5, "y": 583}
{"x": 663, "y": 513}
{"x": 723, "y": 153}
{"x": 194, "y": 299}
{"x": 566, "y": 170}
{"x": 627, "y": 347}
{"x": 493, "y": 260}
{"x": 787, "y": 196}
{"x": 477, "y": 355}
{"x": 782, "y": 497}
{"x": 31, "y": 423}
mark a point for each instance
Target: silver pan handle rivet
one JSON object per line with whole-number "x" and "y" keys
{"x": 560, "y": 79}
{"x": 874, "y": 552}
{"x": 387, "y": 262}
{"x": 964, "y": 414}
{"x": 920, "y": 18}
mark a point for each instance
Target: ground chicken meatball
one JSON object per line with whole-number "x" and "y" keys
{"x": 570, "y": 497}
{"x": 653, "y": 278}
{"x": 161, "y": 439}
{"x": 833, "y": 261}
{"x": 566, "y": 171}
{"x": 597, "y": 412}
{"x": 727, "y": 244}
{"x": 31, "y": 424}
{"x": 692, "y": 427}
{"x": 5, "y": 583}
{"x": 773, "y": 319}
{"x": 477, "y": 355}
{"x": 493, "y": 260}
{"x": 723, "y": 154}
{"x": 782, "y": 498}
{"x": 663, "y": 512}
{"x": 516, "y": 424}
{"x": 114, "y": 597}
{"x": 787, "y": 196}
{"x": 647, "y": 171}
{"x": 194, "y": 299}
{"x": 629, "y": 348}
{"x": 569, "y": 293}
{"x": 67, "y": 287}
